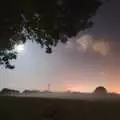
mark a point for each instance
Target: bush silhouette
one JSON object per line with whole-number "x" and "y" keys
{"x": 9, "y": 91}
{"x": 100, "y": 90}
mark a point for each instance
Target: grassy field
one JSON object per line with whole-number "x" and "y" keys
{"x": 13, "y": 108}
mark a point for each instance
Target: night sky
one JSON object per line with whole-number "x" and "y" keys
{"x": 88, "y": 60}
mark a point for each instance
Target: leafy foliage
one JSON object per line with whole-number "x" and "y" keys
{"x": 45, "y": 21}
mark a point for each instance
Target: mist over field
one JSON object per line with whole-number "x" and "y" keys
{"x": 68, "y": 95}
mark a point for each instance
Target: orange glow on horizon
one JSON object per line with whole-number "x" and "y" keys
{"x": 79, "y": 88}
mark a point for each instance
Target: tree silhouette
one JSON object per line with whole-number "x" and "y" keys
{"x": 30, "y": 91}
{"x": 7, "y": 91}
{"x": 100, "y": 90}
{"x": 45, "y": 21}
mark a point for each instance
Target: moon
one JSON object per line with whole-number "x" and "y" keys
{"x": 19, "y": 48}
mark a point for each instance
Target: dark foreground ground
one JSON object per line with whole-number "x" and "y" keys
{"x": 13, "y": 108}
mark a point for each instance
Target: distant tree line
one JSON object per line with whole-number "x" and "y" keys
{"x": 6, "y": 91}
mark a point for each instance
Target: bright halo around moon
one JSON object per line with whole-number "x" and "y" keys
{"x": 19, "y": 48}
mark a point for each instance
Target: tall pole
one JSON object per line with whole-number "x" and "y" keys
{"x": 48, "y": 87}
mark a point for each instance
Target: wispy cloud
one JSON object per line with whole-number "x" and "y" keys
{"x": 84, "y": 42}
{"x": 87, "y": 42}
{"x": 101, "y": 46}
{"x": 69, "y": 44}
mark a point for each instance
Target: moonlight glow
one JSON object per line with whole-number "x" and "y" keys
{"x": 19, "y": 48}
